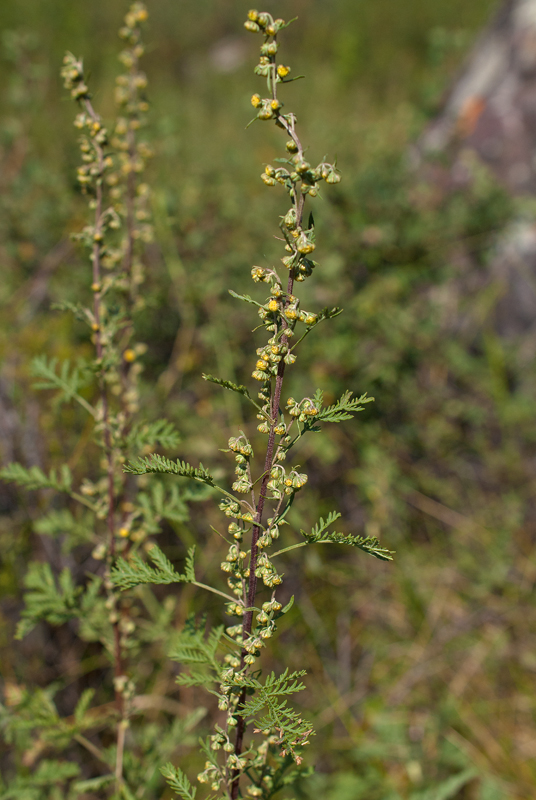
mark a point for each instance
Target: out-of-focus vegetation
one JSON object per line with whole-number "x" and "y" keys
{"x": 421, "y": 673}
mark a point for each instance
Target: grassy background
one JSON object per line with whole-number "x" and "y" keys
{"x": 420, "y": 673}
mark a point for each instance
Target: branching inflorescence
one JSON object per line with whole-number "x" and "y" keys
{"x": 255, "y": 750}
{"x": 117, "y": 518}
{"x": 257, "y": 765}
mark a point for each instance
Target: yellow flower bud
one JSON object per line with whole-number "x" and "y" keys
{"x": 283, "y": 71}
{"x": 256, "y": 101}
{"x": 124, "y": 532}
{"x": 129, "y": 355}
{"x": 273, "y": 305}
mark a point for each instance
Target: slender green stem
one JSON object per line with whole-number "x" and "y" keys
{"x": 214, "y": 591}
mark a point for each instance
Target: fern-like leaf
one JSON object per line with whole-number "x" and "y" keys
{"x": 46, "y": 599}
{"x": 193, "y": 648}
{"x": 67, "y": 380}
{"x": 245, "y": 297}
{"x": 233, "y": 387}
{"x": 35, "y": 478}
{"x": 161, "y": 432}
{"x": 158, "y": 464}
{"x": 368, "y": 544}
{"x": 293, "y": 731}
{"x": 343, "y": 409}
{"x": 126, "y": 574}
{"x": 178, "y": 781}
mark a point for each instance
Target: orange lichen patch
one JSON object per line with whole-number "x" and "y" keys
{"x": 470, "y": 113}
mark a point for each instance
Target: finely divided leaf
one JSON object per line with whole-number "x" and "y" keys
{"x": 228, "y": 385}
{"x": 245, "y": 297}
{"x": 135, "y": 571}
{"x": 343, "y": 409}
{"x": 293, "y": 731}
{"x": 368, "y": 544}
{"x": 47, "y": 600}
{"x": 35, "y": 478}
{"x": 159, "y": 464}
{"x": 61, "y": 522}
{"x": 178, "y": 782}
{"x": 161, "y": 432}
{"x": 329, "y": 313}
{"x": 194, "y": 648}
{"x": 68, "y": 381}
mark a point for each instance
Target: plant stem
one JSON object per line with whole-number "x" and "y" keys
{"x": 97, "y": 312}
{"x": 299, "y": 201}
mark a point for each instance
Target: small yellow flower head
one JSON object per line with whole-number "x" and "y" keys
{"x": 269, "y": 170}
{"x": 273, "y": 305}
{"x": 291, "y": 146}
{"x": 251, "y": 26}
{"x": 124, "y": 532}
{"x": 276, "y": 105}
{"x": 304, "y": 245}
{"x": 129, "y": 355}
{"x": 262, "y": 364}
{"x": 95, "y": 327}
{"x": 283, "y": 71}
{"x": 95, "y": 287}
{"x": 253, "y": 15}
{"x": 256, "y": 101}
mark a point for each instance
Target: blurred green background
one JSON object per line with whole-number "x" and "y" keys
{"x": 421, "y": 673}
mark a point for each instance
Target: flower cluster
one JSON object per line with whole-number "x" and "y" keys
{"x": 280, "y": 313}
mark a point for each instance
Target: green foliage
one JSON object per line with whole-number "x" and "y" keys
{"x": 344, "y": 408}
{"x": 196, "y": 649}
{"x": 243, "y": 390}
{"x": 35, "y": 478}
{"x": 291, "y": 728}
{"x": 179, "y": 782}
{"x": 149, "y": 434}
{"x": 160, "y": 465}
{"x": 63, "y": 523}
{"x": 452, "y": 423}
{"x": 135, "y": 572}
{"x": 319, "y": 535}
{"x": 55, "y": 602}
{"x": 68, "y": 381}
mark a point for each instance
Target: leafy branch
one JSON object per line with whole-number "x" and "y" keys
{"x": 135, "y": 572}
{"x": 233, "y": 387}
{"x": 293, "y": 731}
{"x": 344, "y": 408}
{"x": 178, "y": 782}
{"x": 161, "y": 432}
{"x": 318, "y": 535}
{"x": 35, "y": 478}
{"x": 157, "y": 464}
{"x": 47, "y": 600}
{"x": 68, "y": 381}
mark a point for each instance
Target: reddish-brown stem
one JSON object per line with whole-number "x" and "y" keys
{"x": 247, "y": 625}
{"x": 96, "y": 256}
{"x": 253, "y": 580}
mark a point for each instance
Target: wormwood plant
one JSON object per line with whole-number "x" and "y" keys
{"x": 260, "y": 736}
{"x": 109, "y": 514}
{"x": 256, "y": 747}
